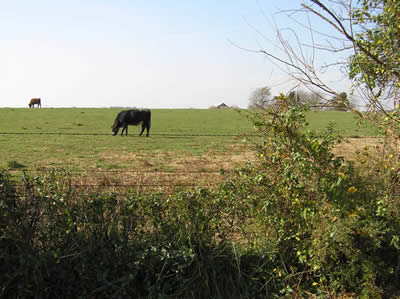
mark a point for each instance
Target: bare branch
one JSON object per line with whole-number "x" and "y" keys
{"x": 338, "y": 25}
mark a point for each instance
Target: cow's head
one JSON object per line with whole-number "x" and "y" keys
{"x": 115, "y": 127}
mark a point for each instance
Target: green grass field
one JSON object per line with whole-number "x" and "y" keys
{"x": 81, "y": 138}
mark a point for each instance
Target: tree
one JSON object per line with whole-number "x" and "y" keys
{"x": 371, "y": 28}
{"x": 300, "y": 98}
{"x": 339, "y": 102}
{"x": 363, "y": 45}
{"x": 375, "y": 63}
{"x": 261, "y": 98}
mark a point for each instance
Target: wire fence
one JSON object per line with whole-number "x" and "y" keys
{"x": 139, "y": 179}
{"x": 166, "y": 135}
{"x": 131, "y": 178}
{"x": 139, "y": 188}
{"x": 120, "y": 171}
{"x": 122, "y": 188}
{"x": 131, "y": 135}
{"x": 144, "y": 182}
{"x": 126, "y": 185}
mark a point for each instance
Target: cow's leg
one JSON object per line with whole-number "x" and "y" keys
{"x": 143, "y": 126}
{"x": 126, "y": 130}
{"x": 148, "y": 128}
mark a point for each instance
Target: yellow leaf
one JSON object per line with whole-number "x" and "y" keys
{"x": 352, "y": 214}
{"x": 352, "y": 190}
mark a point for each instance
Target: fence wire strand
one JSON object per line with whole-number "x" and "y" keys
{"x": 130, "y": 135}
{"x": 85, "y": 173}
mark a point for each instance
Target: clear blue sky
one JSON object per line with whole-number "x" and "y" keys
{"x": 155, "y": 54}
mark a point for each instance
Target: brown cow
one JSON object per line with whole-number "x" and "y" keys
{"x": 35, "y": 101}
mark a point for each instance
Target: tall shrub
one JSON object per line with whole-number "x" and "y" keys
{"x": 328, "y": 222}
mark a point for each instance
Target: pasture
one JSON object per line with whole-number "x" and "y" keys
{"x": 81, "y": 138}
{"x": 196, "y": 143}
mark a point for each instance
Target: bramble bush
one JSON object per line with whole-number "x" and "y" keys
{"x": 298, "y": 221}
{"x": 332, "y": 224}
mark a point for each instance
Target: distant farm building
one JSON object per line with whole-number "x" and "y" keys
{"x": 222, "y": 106}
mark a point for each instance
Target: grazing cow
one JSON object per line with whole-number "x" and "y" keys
{"x": 35, "y": 101}
{"x": 132, "y": 117}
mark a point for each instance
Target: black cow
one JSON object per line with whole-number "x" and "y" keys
{"x": 132, "y": 117}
